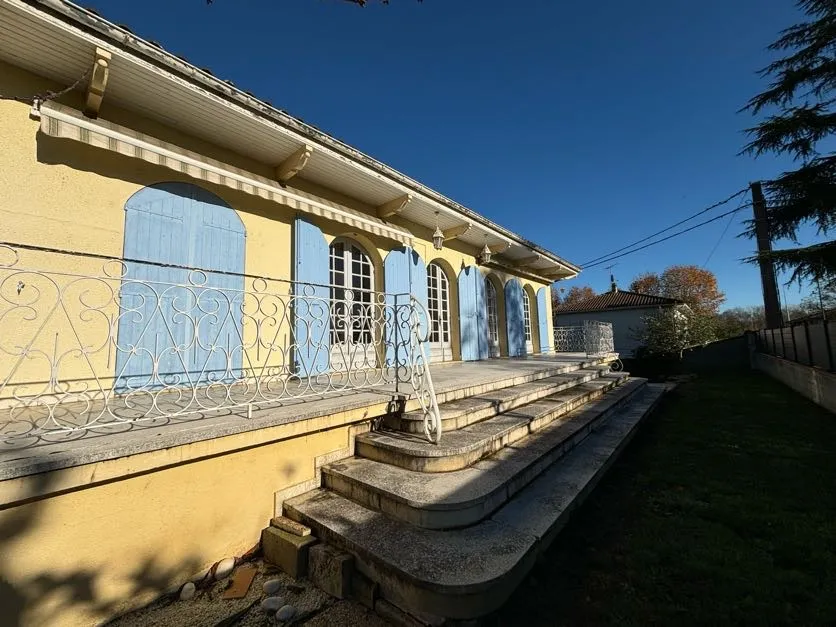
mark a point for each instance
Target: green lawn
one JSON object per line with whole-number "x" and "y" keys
{"x": 721, "y": 511}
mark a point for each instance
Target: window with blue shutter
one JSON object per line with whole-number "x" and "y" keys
{"x": 311, "y": 343}
{"x": 404, "y": 274}
{"x": 514, "y": 318}
{"x": 473, "y": 320}
{"x": 189, "y": 324}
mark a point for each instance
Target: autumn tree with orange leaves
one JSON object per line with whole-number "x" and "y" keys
{"x": 694, "y": 286}
{"x": 576, "y": 294}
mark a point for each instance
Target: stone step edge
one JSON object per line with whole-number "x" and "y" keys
{"x": 410, "y": 403}
{"x": 458, "y": 514}
{"x": 479, "y": 598}
{"x": 413, "y": 422}
{"x": 440, "y": 461}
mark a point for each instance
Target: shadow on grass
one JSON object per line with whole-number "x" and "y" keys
{"x": 722, "y": 511}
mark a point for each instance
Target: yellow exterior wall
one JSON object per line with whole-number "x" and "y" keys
{"x": 107, "y": 545}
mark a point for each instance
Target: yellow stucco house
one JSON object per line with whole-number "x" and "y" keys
{"x": 203, "y": 298}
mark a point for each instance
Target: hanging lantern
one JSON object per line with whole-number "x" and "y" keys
{"x": 438, "y": 236}
{"x": 485, "y": 256}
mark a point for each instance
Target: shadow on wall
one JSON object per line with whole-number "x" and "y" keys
{"x": 43, "y": 597}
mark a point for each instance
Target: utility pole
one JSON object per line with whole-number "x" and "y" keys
{"x": 771, "y": 302}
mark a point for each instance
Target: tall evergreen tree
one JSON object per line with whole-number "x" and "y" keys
{"x": 802, "y": 91}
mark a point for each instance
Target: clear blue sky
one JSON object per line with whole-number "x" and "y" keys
{"x": 582, "y": 126}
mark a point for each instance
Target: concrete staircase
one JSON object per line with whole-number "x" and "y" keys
{"x": 448, "y": 531}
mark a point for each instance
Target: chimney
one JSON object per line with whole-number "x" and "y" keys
{"x": 613, "y": 286}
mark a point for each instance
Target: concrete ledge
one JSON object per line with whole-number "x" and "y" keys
{"x": 228, "y": 431}
{"x": 464, "y": 497}
{"x": 467, "y": 573}
{"x": 813, "y": 383}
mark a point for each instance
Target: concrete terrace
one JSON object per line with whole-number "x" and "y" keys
{"x": 453, "y": 381}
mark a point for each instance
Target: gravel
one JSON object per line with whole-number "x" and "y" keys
{"x": 313, "y": 608}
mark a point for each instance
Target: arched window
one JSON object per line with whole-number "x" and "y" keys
{"x": 529, "y": 345}
{"x": 352, "y": 306}
{"x": 493, "y": 318}
{"x": 438, "y": 304}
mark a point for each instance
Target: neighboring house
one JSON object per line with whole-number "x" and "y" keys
{"x": 625, "y": 310}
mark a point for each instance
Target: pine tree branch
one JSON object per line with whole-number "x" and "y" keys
{"x": 805, "y": 195}
{"x": 801, "y": 87}
{"x": 816, "y": 78}
{"x": 796, "y": 131}
{"x": 807, "y": 263}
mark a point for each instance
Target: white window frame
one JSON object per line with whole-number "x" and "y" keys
{"x": 438, "y": 306}
{"x": 352, "y": 307}
{"x": 529, "y": 344}
{"x": 492, "y": 303}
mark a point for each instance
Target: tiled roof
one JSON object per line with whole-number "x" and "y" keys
{"x": 616, "y": 300}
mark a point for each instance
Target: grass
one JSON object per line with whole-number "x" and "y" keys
{"x": 722, "y": 511}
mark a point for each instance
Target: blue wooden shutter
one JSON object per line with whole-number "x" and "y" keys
{"x": 217, "y": 241}
{"x": 482, "y": 315}
{"x": 543, "y": 319}
{"x": 404, "y": 273}
{"x": 468, "y": 322}
{"x": 156, "y": 230}
{"x": 311, "y": 306}
{"x": 396, "y": 283}
{"x": 514, "y": 318}
{"x": 418, "y": 288}
{"x": 182, "y": 225}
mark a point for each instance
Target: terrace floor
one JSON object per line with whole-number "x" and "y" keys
{"x": 42, "y": 452}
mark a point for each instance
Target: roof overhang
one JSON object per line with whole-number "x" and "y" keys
{"x": 61, "y": 41}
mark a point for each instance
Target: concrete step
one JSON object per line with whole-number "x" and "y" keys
{"x": 470, "y": 572}
{"x": 460, "y": 413}
{"x": 527, "y": 370}
{"x": 461, "y": 448}
{"x": 464, "y": 497}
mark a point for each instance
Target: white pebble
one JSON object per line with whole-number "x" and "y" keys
{"x": 187, "y": 591}
{"x": 271, "y": 604}
{"x": 271, "y": 586}
{"x": 224, "y": 568}
{"x": 286, "y": 613}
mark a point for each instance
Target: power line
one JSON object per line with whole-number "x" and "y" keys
{"x": 665, "y": 239}
{"x": 723, "y": 234}
{"x": 665, "y": 230}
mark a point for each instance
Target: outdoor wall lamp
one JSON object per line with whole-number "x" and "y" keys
{"x": 438, "y": 236}
{"x": 485, "y": 255}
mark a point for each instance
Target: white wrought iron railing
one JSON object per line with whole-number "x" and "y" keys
{"x": 419, "y": 369}
{"x": 90, "y": 343}
{"x": 593, "y": 338}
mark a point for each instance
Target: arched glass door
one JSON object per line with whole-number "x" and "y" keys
{"x": 493, "y": 319}
{"x": 352, "y": 307}
{"x": 529, "y": 345}
{"x": 438, "y": 305}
